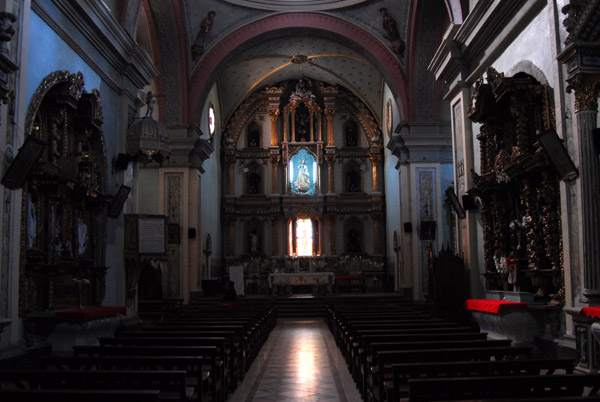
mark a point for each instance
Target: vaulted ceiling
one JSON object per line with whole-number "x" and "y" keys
{"x": 251, "y": 44}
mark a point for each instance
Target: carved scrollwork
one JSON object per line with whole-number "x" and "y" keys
{"x": 64, "y": 211}
{"x": 587, "y": 90}
{"x": 518, "y": 186}
{"x": 75, "y": 87}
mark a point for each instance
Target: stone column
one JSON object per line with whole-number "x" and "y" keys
{"x": 293, "y": 127}
{"x": 586, "y": 111}
{"x": 312, "y": 124}
{"x": 274, "y": 115}
{"x": 320, "y": 126}
{"x": 329, "y": 113}
{"x": 286, "y": 128}
{"x": 330, "y": 177}
{"x": 375, "y": 161}
{"x": 274, "y": 180}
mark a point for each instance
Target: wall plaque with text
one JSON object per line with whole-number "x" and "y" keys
{"x": 145, "y": 234}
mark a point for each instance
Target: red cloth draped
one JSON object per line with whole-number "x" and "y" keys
{"x": 492, "y": 306}
{"x": 592, "y": 312}
{"x": 89, "y": 314}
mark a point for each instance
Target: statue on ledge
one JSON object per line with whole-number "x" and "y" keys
{"x": 301, "y": 92}
{"x": 205, "y": 27}
{"x": 389, "y": 25}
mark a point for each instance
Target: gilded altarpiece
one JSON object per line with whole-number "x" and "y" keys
{"x": 518, "y": 186}
{"x": 324, "y": 143}
{"x": 64, "y": 212}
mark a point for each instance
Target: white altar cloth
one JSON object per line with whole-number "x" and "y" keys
{"x": 302, "y": 278}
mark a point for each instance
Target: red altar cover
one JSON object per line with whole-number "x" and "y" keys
{"x": 89, "y": 314}
{"x": 492, "y": 306}
{"x": 592, "y": 312}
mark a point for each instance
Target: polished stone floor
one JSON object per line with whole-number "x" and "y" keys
{"x": 299, "y": 362}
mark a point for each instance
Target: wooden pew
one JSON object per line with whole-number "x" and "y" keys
{"x": 236, "y": 336}
{"x": 209, "y": 353}
{"x": 362, "y": 342}
{"x": 348, "y": 337}
{"x": 402, "y": 373}
{"x": 224, "y": 352}
{"x": 234, "y": 341}
{"x": 197, "y": 374}
{"x": 76, "y": 395}
{"x": 386, "y": 358}
{"x": 469, "y": 388}
{"x": 256, "y": 334}
{"x": 362, "y": 349}
{"x": 170, "y": 383}
{"x": 370, "y": 365}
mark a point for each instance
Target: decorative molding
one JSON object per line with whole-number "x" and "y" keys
{"x": 101, "y": 30}
{"x": 471, "y": 44}
{"x": 587, "y": 90}
{"x": 75, "y": 88}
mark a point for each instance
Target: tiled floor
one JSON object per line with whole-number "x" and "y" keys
{"x": 299, "y": 362}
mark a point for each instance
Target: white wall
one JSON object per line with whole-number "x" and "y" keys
{"x": 210, "y": 219}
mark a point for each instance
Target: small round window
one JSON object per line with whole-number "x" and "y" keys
{"x": 211, "y": 119}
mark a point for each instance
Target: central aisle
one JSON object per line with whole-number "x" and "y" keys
{"x": 299, "y": 362}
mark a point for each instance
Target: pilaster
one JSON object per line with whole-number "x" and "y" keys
{"x": 587, "y": 90}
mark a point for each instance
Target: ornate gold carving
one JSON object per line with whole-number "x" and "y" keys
{"x": 520, "y": 208}
{"x": 74, "y": 88}
{"x": 587, "y": 90}
{"x": 67, "y": 187}
{"x": 274, "y": 114}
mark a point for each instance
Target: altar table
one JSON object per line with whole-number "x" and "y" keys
{"x": 281, "y": 279}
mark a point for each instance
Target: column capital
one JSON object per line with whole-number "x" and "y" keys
{"x": 587, "y": 90}
{"x": 274, "y": 114}
{"x": 375, "y": 158}
{"x": 329, "y": 113}
{"x": 275, "y": 159}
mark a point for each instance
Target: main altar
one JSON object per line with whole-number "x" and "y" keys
{"x": 321, "y": 282}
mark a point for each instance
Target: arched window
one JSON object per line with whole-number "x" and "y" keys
{"x": 253, "y": 135}
{"x": 351, "y": 134}
{"x": 304, "y": 237}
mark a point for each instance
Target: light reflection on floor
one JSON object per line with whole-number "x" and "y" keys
{"x": 299, "y": 362}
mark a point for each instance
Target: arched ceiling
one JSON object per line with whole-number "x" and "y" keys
{"x": 251, "y": 44}
{"x": 293, "y": 56}
{"x": 330, "y": 56}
